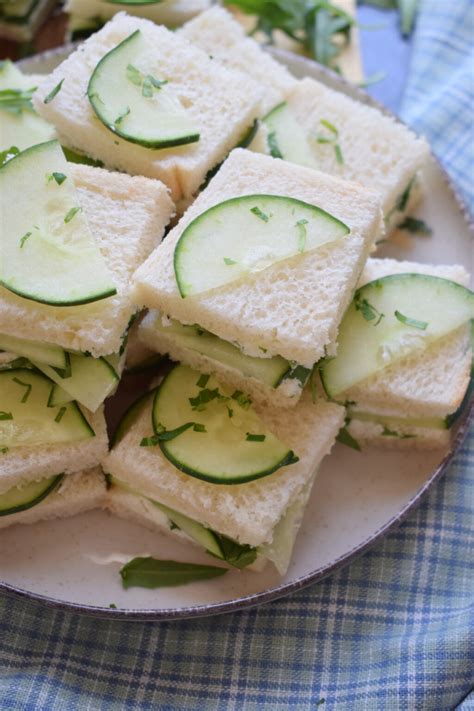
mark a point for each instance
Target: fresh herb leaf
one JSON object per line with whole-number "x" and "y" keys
{"x": 113, "y": 606}
{"x": 243, "y": 400}
{"x": 202, "y": 381}
{"x": 301, "y": 225}
{"x": 72, "y": 213}
{"x": 330, "y": 126}
{"x": 58, "y": 177}
{"x": 134, "y": 75}
{"x": 258, "y": 212}
{"x": 255, "y": 437}
{"x": 121, "y": 116}
{"x": 236, "y": 554}
{"x": 422, "y": 325}
{"x": 11, "y": 152}
{"x": 345, "y": 437}
{"x": 273, "y": 146}
{"x": 338, "y": 154}
{"x": 229, "y": 261}
{"x": 3, "y": 450}
{"x": 15, "y": 101}
{"x": 205, "y": 396}
{"x": 331, "y": 139}
{"x": 156, "y": 83}
{"x": 5, "y": 415}
{"x": 60, "y": 414}
{"x": 402, "y": 200}
{"x": 299, "y": 373}
{"x": 230, "y": 411}
{"x": 152, "y": 573}
{"x": 150, "y": 83}
{"x": 391, "y": 433}
{"x": 54, "y": 92}
{"x": 199, "y": 428}
{"x": 26, "y": 236}
{"x": 416, "y": 226}
{"x": 28, "y": 387}
{"x": 164, "y": 435}
{"x": 369, "y": 312}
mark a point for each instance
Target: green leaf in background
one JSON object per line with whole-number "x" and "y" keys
{"x": 406, "y": 8}
{"x": 236, "y": 554}
{"x": 153, "y": 573}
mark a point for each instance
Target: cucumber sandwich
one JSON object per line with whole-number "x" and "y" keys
{"x": 306, "y": 122}
{"x": 204, "y": 463}
{"x": 144, "y": 101}
{"x": 20, "y": 19}
{"x": 253, "y": 281}
{"x": 404, "y": 357}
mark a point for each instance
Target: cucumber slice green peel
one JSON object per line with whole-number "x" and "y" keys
{"x": 287, "y": 138}
{"x": 134, "y": 103}
{"x": 26, "y": 419}
{"x": 48, "y": 254}
{"x": 21, "y": 498}
{"x": 244, "y": 235}
{"x": 391, "y": 318}
{"x": 35, "y": 350}
{"x": 210, "y": 434}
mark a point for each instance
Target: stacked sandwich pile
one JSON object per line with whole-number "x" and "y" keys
{"x": 284, "y": 332}
{"x": 21, "y": 19}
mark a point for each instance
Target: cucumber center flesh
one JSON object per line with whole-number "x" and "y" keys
{"x": 391, "y": 318}
{"x": 21, "y": 498}
{"x": 247, "y": 234}
{"x": 26, "y": 419}
{"x": 228, "y": 444}
{"x": 134, "y": 101}
{"x": 287, "y": 139}
{"x": 48, "y": 251}
{"x": 34, "y": 350}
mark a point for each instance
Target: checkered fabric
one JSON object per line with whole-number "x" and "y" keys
{"x": 394, "y": 630}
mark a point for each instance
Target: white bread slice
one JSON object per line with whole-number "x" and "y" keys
{"x": 249, "y": 512}
{"x": 378, "y": 152}
{"x": 293, "y": 308}
{"x": 286, "y": 394}
{"x": 127, "y": 216}
{"x": 222, "y": 102}
{"x": 220, "y": 35}
{"x": 428, "y": 383}
{"x": 167, "y": 12}
{"x": 409, "y": 438}
{"x": 25, "y": 464}
{"x": 76, "y": 494}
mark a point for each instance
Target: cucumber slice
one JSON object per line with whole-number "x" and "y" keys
{"x": 134, "y": 102}
{"x": 48, "y": 251}
{"x": 90, "y": 382}
{"x": 58, "y": 396}
{"x": 246, "y": 234}
{"x": 270, "y": 371}
{"x": 34, "y": 350}
{"x": 26, "y": 419}
{"x": 130, "y": 416}
{"x": 21, "y": 498}
{"x": 223, "y": 453}
{"x": 371, "y": 337}
{"x": 436, "y": 423}
{"x": 287, "y": 139}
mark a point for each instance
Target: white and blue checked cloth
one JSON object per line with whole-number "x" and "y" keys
{"x": 395, "y": 630}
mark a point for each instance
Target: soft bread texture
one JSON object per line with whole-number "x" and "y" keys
{"x": 127, "y": 216}
{"x": 222, "y": 102}
{"x": 429, "y": 383}
{"x": 25, "y": 464}
{"x": 168, "y": 12}
{"x": 292, "y": 308}
{"x": 378, "y": 152}
{"x": 371, "y": 434}
{"x": 286, "y": 394}
{"x": 220, "y": 35}
{"x": 247, "y": 512}
{"x": 76, "y": 494}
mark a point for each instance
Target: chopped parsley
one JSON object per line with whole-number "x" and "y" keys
{"x": 258, "y": 213}
{"x": 60, "y": 414}
{"x": 3, "y": 450}
{"x": 243, "y": 400}
{"x": 255, "y": 437}
{"x": 199, "y": 428}
{"x": 332, "y": 139}
{"x": 345, "y": 437}
{"x": 72, "y": 213}
{"x": 402, "y": 200}
{"x": 54, "y": 92}
{"x": 273, "y": 146}
{"x": 121, "y": 116}
{"x": 229, "y": 261}
{"x": 5, "y": 415}
{"x": 415, "y": 226}
{"x": 15, "y": 101}
{"x": 59, "y": 178}
{"x": 369, "y": 312}
{"x": 113, "y": 606}
{"x": 391, "y": 433}
{"x": 230, "y": 411}
{"x": 199, "y": 402}
{"x": 147, "y": 83}
{"x": 422, "y": 325}
{"x": 134, "y": 75}
{"x": 301, "y": 225}
{"x": 202, "y": 381}
{"x": 24, "y": 238}
{"x": 11, "y": 152}
{"x": 164, "y": 435}
{"x": 28, "y": 387}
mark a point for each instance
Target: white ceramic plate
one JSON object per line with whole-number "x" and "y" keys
{"x": 357, "y": 498}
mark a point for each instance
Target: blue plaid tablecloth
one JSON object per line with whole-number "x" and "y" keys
{"x": 394, "y": 630}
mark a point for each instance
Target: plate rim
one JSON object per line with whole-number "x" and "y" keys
{"x": 283, "y": 589}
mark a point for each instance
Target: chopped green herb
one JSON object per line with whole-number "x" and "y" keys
{"x": 58, "y": 177}
{"x": 255, "y": 437}
{"x": 229, "y": 261}
{"x": 402, "y": 200}
{"x": 236, "y": 554}
{"x": 150, "y": 83}
{"x": 261, "y": 348}
{"x": 60, "y": 414}
{"x": 164, "y": 435}
{"x": 331, "y": 140}
{"x": 54, "y": 92}
{"x": 205, "y": 396}
{"x": 273, "y": 146}
{"x": 3, "y": 450}
{"x": 299, "y": 373}
{"x": 28, "y": 387}
{"x": 156, "y": 83}
{"x": 5, "y": 415}
{"x": 173, "y": 526}
{"x": 113, "y": 606}
{"x": 369, "y": 312}
{"x": 7, "y": 155}
{"x": 391, "y": 433}
{"x": 422, "y": 325}
{"x": 243, "y": 400}
{"x": 202, "y": 381}
{"x": 134, "y": 75}
{"x": 24, "y": 238}
{"x": 258, "y": 212}
{"x": 345, "y": 437}
{"x": 338, "y": 154}
{"x": 330, "y": 127}
{"x": 15, "y": 101}
{"x": 416, "y": 226}
{"x": 72, "y": 213}
{"x": 301, "y": 225}
{"x": 199, "y": 428}
{"x": 152, "y": 573}
{"x": 121, "y": 116}
{"x": 230, "y": 411}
